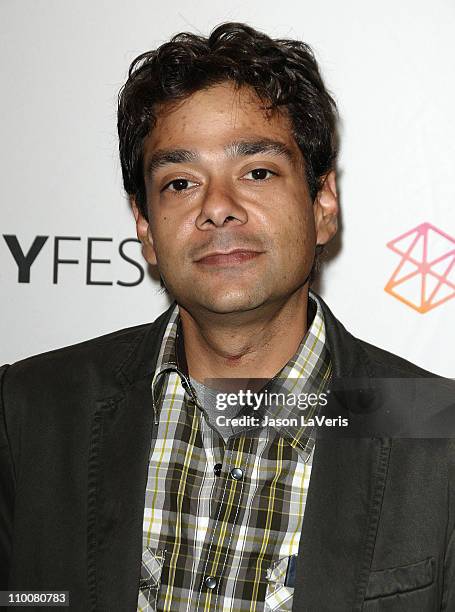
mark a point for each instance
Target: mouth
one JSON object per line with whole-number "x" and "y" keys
{"x": 235, "y": 257}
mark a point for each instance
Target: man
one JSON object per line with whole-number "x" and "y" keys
{"x": 121, "y": 484}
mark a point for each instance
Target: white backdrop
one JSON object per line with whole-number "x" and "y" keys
{"x": 390, "y": 67}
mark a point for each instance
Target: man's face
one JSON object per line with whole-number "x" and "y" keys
{"x": 222, "y": 176}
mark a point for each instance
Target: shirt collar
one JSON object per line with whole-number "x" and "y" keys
{"x": 308, "y": 371}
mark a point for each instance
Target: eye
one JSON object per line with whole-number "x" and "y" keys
{"x": 260, "y": 174}
{"x": 180, "y": 184}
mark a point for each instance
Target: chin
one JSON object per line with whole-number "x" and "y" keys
{"x": 230, "y": 301}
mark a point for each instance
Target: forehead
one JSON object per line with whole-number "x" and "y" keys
{"x": 217, "y": 115}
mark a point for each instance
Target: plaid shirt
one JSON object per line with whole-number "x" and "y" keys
{"x": 222, "y": 520}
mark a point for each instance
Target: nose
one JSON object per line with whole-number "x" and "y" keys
{"x": 220, "y": 207}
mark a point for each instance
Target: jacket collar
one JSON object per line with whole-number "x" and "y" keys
{"x": 348, "y": 358}
{"x": 143, "y": 355}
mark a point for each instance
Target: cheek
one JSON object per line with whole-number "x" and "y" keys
{"x": 172, "y": 236}
{"x": 160, "y": 227}
{"x": 294, "y": 229}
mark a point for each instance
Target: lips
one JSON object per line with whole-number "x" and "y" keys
{"x": 237, "y": 256}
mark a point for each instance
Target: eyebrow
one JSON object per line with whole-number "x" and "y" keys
{"x": 238, "y": 148}
{"x": 243, "y": 148}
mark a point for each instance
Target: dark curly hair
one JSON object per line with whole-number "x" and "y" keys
{"x": 284, "y": 73}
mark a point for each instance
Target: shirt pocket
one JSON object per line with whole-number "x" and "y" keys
{"x": 280, "y": 578}
{"x": 150, "y": 580}
{"x": 406, "y": 587}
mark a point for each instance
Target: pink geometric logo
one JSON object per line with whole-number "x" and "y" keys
{"x": 425, "y": 276}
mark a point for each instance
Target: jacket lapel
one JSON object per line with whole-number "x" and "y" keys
{"x": 344, "y": 497}
{"x": 118, "y": 459}
{"x": 341, "y": 516}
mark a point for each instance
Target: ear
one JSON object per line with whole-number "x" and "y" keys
{"x": 144, "y": 233}
{"x": 325, "y": 210}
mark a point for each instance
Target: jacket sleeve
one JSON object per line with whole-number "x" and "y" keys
{"x": 6, "y": 490}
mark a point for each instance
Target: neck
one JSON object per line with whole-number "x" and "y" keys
{"x": 252, "y": 344}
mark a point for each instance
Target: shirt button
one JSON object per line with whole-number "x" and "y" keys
{"x": 210, "y": 582}
{"x": 237, "y": 473}
{"x": 217, "y": 469}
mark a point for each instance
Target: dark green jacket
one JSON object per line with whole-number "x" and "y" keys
{"x": 75, "y": 432}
